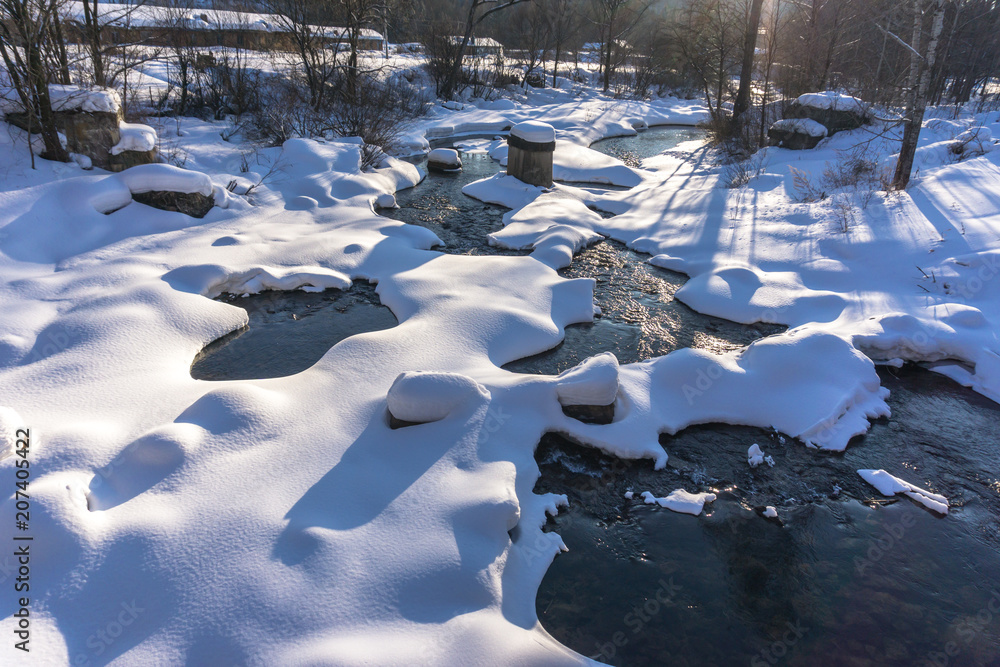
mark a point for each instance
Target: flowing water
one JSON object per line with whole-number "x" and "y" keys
{"x": 842, "y": 577}
{"x": 290, "y": 331}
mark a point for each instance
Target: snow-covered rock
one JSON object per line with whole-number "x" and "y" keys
{"x": 593, "y": 382}
{"x": 796, "y": 133}
{"x": 386, "y": 200}
{"x": 830, "y": 99}
{"x": 134, "y": 137}
{"x": 421, "y": 397}
{"x": 75, "y": 98}
{"x": 445, "y": 159}
{"x": 165, "y": 178}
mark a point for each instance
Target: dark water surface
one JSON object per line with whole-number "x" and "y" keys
{"x": 844, "y": 577}
{"x": 290, "y": 331}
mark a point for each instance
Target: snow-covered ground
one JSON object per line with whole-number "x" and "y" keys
{"x": 282, "y": 521}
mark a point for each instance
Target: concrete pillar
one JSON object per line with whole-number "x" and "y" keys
{"x": 530, "y": 148}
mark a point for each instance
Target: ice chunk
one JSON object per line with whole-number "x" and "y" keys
{"x": 889, "y": 485}
{"x": 421, "y": 397}
{"x": 755, "y": 455}
{"x": 770, "y": 512}
{"x": 629, "y": 495}
{"x": 534, "y": 131}
{"x": 681, "y": 501}
{"x": 593, "y": 382}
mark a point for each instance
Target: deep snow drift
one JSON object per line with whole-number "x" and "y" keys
{"x": 283, "y": 520}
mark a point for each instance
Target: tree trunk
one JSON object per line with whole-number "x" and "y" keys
{"x": 746, "y": 71}
{"x": 904, "y": 166}
{"x": 92, "y": 30}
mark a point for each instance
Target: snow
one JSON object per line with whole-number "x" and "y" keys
{"x": 292, "y": 507}
{"x": 534, "y": 131}
{"x": 680, "y": 501}
{"x": 755, "y": 456}
{"x": 10, "y": 422}
{"x": 447, "y": 157}
{"x": 830, "y": 99}
{"x": 593, "y": 382}
{"x": 165, "y": 177}
{"x": 805, "y": 126}
{"x": 386, "y": 200}
{"x": 889, "y": 485}
{"x": 134, "y": 137}
{"x": 430, "y": 397}
{"x": 75, "y": 98}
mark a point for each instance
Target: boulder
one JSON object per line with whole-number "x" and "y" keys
{"x": 796, "y": 133}
{"x": 834, "y": 111}
{"x": 170, "y": 188}
{"x": 444, "y": 159}
{"x": 194, "y": 204}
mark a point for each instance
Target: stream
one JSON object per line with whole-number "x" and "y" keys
{"x": 843, "y": 576}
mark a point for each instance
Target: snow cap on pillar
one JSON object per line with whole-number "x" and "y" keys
{"x": 534, "y": 132}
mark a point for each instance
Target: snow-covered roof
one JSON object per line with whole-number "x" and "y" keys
{"x": 478, "y": 42}
{"x": 150, "y": 16}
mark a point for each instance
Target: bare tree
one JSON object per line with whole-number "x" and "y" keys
{"x": 565, "y": 21}
{"x": 921, "y": 68}
{"x": 25, "y": 39}
{"x": 315, "y": 46}
{"x": 749, "y": 49}
{"x": 614, "y": 20}
{"x": 479, "y": 11}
